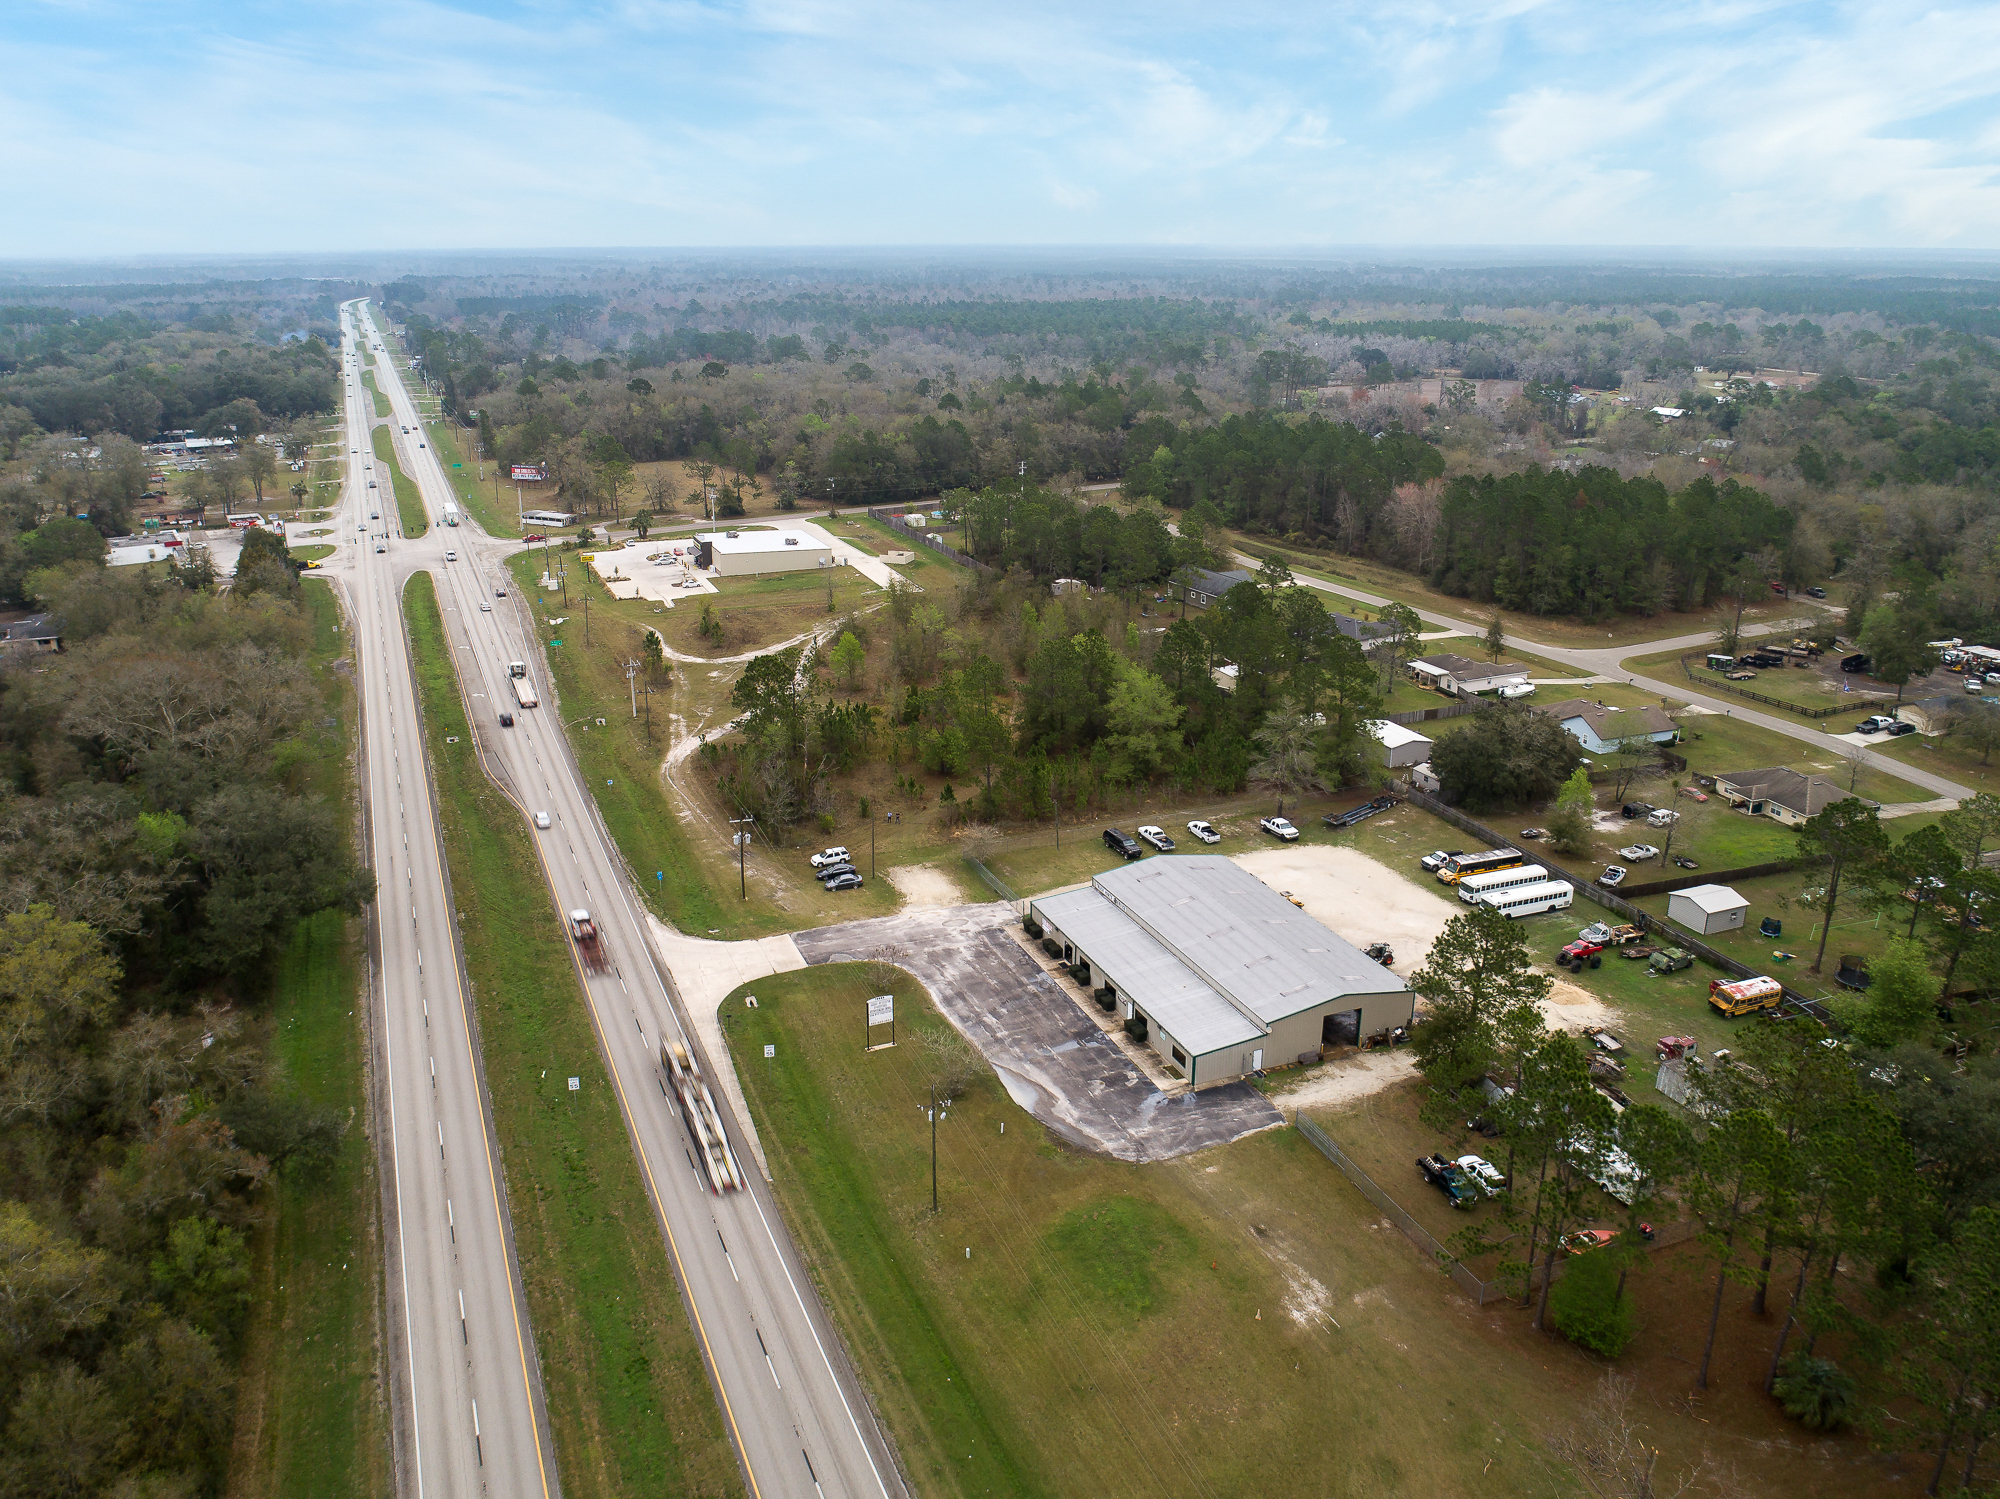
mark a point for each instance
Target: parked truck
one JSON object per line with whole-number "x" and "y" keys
{"x": 451, "y": 512}
{"x": 704, "y": 1125}
{"x": 584, "y": 932}
{"x": 524, "y": 692}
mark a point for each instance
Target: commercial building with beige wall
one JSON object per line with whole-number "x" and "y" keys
{"x": 744, "y": 554}
{"x": 1224, "y": 975}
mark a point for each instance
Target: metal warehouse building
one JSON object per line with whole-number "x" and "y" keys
{"x": 736, "y": 554}
{"x": 1225, "y": 974}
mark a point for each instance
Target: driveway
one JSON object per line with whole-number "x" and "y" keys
{"x": 1054, "y": 1062}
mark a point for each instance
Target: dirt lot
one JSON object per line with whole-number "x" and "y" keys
{"x": 1357, "y": 897}
{"x": 924, "y": 885}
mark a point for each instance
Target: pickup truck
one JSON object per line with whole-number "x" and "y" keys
{"x": 1449, "y": 1178}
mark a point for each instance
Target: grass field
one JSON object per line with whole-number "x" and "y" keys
{"x": 453, "y": 443}
{"x": 314, "y": 553}
{"x": 631, "y": 1405}
{"x": 409, "y": 503}
{"x": 382, "y": 406}
{"x": 1238, "y": 1322}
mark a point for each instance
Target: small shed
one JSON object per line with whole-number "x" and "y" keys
{"x": 1708, "y": 909}
{"x": 1399, "y": 746}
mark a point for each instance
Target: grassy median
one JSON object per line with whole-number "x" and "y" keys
{"x": 409, "y": 503}
{"x": 632, "y": 1407}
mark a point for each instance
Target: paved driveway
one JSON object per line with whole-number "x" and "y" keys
{"x": 1057, "y": 1065}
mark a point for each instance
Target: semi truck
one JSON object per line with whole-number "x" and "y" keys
{"x": 704, "y": 1125}
{"x": 583, "y": 931}
{"x": 524, "y": 692}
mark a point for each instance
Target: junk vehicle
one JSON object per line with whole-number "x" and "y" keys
{"x": 704, "y": 1125}
{"x": 584, "y": 931}
{"x": 1381, "y": 952}
{"x": 1745, "y": 996}
{"x": 1449, "y": 1179}
{"x": 1458, "y": 866}
{"x": 1670, "y": 960}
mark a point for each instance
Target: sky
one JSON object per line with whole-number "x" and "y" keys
{"x": 341, "y": 125}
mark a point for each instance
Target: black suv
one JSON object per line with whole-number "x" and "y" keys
{"x": 1121, "y": 843}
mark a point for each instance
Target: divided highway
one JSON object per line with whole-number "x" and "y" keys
{"x": 789, "y": 1401}
{"x": 466, "y": 1399}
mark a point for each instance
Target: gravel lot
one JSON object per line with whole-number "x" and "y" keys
{"x": 1359, "y": 898}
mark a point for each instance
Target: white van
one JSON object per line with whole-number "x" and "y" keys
{"x": 1533, "y": 900}
{"x": 1476, "y": 887}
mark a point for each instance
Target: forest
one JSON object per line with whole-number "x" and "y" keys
{"x": 172, "y": 807}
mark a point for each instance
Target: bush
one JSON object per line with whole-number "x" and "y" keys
{"x": 1032, "y": 927}
{"x": 1815, "y": 1392}
{"x": 1052, "y": 947}
{"x": 1587, "y": 1307}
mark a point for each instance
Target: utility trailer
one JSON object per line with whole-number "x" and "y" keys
{"x": 704, "y": 1125}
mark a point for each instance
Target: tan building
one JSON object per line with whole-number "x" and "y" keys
{"x": 1222, "y": 975}
{"x": 1781, "y": 793}
{"x": 748, "y": 554}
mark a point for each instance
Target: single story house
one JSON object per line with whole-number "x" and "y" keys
{"x": 1400, "y": 746}
{"x": 1932, "y": 715}
{"x": 1707, "y": 909}
{"x": 1215, "y": 970}
{"x": 34, "y": 635}
{"x": 1356, "y": 629}
{"x": 1597, "y": 728}
{"x": 1780, "y": 792}
{"x": 1205, "y": 587}
{"x": 1461, "y": 676}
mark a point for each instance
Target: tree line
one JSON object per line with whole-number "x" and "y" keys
{"x": 163, "y": 829}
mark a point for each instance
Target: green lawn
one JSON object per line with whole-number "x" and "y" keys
{"x": 409, "y": 503}
{"x": 382, "y": 406}
{"x": 453, "y": 443}
{"x": 315, "y": 553}
{"x": 877, "y": 537}
{"x": 1801, "y": 687}
{"x": 630, "y": 1402}
{"x": 1717, "y": 744}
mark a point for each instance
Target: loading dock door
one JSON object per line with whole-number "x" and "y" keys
{"x": 1342, "y": 1028}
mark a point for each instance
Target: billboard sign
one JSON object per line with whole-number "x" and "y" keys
{"x": 529, "y": 473}
{"x": 882, "y": 1010}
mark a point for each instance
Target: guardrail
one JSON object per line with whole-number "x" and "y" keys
{"x": 1591, "y": 890}
{"x": 1759, "y": 697}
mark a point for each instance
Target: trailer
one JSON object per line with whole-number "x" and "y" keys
{"x": 704, "y": 1125}
{"x": 583, "y": 931}
{"x": 524, "y": 691}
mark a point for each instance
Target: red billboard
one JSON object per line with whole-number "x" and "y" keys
{"x": 529, "y": 473}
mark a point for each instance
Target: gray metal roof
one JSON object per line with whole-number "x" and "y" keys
{"x": 1223, "y": 955}
{"x": 1166, "y": 988}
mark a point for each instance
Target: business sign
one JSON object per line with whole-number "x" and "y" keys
{"x": 529, "y": 473}
{"x": 882, "y": 1010}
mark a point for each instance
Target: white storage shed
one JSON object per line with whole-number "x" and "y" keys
{"x": 1708, "y": 909}
{"x": 1399, "y": 746}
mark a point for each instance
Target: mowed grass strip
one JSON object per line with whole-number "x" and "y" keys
{"x": 382, "y": 407}
{"x": 631, "y": 1404}
{"x": 409, "y": 503}
{"x": 1116, "y": 1330}
{"x": 453, "y": 443}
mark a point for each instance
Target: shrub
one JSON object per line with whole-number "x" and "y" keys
{"x": 1588, "y": 1308}
{"x": 1052, "y": 947}
{"x": 1815, "y": 1392}
{"x": 1032, "y": 927}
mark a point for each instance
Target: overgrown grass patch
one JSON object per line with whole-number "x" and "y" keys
{"x": 629, "y": 1401}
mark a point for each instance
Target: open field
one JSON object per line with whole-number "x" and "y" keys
{"x": 453, "y": 443}
{"x": 409, "y": 501}
{"x": 629, "y": 1401}
{"x": 1390, "y": 583}
{"x": 1238, "y": 1322}
{"x": 1943, "y": 755}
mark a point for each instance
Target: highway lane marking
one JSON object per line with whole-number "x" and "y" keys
{"x": 767, "y": 1355}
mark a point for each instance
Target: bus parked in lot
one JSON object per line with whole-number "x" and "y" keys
{"x": 1475, "y": 887}
{"x": 1458, "y": 866}
{"x": 1532, "y": 900}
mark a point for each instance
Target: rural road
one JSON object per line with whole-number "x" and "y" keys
{"x": 789, "y": 1400}
{"x": 1605, "y": 661}
{"x": 467, "y": 1397}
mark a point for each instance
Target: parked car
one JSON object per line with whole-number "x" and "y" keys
{"x": 848, "y": 881}
{"x": 1613, "y": 877}
{"x": 1663, "y": 817}
{"x": 835, "y": 871}
{"x": 1531, "y": 834}
{"x": 541, "y": 819}
{"x": 1448, "y": 1179}
{"x": 1638, "y": 853}
{"x": 1122, "y": 843}
{"x": 1815, "y": 592}
{"x": 1280, "y": 827}
{"x": 835, "y": 855}
{"x": 1437, "y": 856}
{"x": 506, "y": 720}
{"x": 1635, "y": 809}
{"x": 1483, "y": 1174}
{"x": 1898, "y": 729}
{"x": 536, "y": 537}
{"x": 1157, "y": 837}
{"x": 1204, "y": 832}
{"x": 1696, "y": 792}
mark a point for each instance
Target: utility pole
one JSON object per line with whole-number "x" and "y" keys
{"x": 936, "y": 1114}
{"x": 586, "y": 626}
{"x": 742, "y": 840}
{"x": 632, "y": 681}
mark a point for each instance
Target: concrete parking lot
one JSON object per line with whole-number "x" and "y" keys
{"x": 1055, "y": 1063}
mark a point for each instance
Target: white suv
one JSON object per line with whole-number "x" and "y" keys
{"x": 829, "y": 857}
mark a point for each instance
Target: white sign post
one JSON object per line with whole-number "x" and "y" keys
{"x": 881, "y": 1011}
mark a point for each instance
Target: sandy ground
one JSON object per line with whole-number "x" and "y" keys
{"x": 924, "y": 885}
{"x": 1358, "y": 898}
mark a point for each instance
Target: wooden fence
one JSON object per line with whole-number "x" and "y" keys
{"x": 1758, "y": 697}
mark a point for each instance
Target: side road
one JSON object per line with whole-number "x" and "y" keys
{"x": 1605, "y": 663}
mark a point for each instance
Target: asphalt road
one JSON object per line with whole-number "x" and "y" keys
{"x": 789, "y": 1400}
{"x": 468, "y": 1417}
